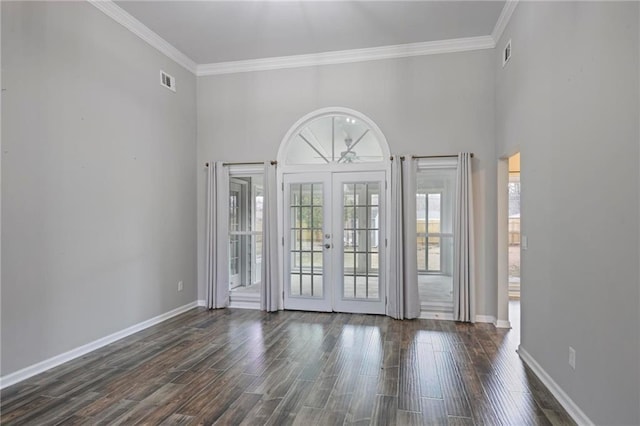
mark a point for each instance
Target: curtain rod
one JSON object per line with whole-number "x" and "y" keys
{"x": 432, "y": 156}
{"x": 249, "y": 163}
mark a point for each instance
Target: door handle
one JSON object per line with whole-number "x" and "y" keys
{"x": 327, "y": 246}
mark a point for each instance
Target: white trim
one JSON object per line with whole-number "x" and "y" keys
{"x": 115, "y": 12}
{"x": 503, "y": 20}
{"x": 348, "y": 56}
{"x": 502, "y": 324}
{"x": 444, "y": 316}
{"x": 567, "y": 403}
{"x": 490, "y": 319}
{"x": 109, "y": 8}
{"x": 42, "y": 366}
{"x": 486, "y": 318}
{"x": 245, "y": 305}
{"x": 201, "y": 303}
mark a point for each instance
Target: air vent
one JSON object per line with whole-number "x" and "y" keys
{"x": 506, "y": 55}
{"x": 167, "y": 81}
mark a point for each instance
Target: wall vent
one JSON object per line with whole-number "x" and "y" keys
{"x": 506, "y": 54}
{"x": 167, "y": 81}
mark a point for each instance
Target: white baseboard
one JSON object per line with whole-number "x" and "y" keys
{"x": 446, "y": 316}
{"x": 502, "y": 324}
{"x": 32, "y": 370}
{"x": 202, "y": 303}
{"x": 572, "y": 408}
{"x": 486, "y": 318}
{"x": 245, "y": 305}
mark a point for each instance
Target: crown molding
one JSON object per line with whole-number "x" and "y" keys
{"x": 119, "y": 15}
{"x": 503, "y": 19}
{"x": 109, "y": 8}
{"x": 348, "y": 56}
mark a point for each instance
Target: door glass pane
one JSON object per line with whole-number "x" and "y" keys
{"x": 360, "y": 236}
{"x": 305, "y": 194}
{"x": 295, "y": 284}
{"x": 317, "y": 285}
{"x": 307, "y": 232}
{"x": 305, "y": 239}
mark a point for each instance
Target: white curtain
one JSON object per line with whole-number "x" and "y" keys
{"x": 464, "y": 299}
{"x": 403, "y": 301}
{"x": 217, "y": 236}
{"x": 269, "y": 300}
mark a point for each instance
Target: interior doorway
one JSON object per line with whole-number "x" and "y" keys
{"x": 510, "y": 279}
{"x": 514, "y": 227}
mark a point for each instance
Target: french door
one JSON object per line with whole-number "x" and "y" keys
{"x": 334, "y": 238}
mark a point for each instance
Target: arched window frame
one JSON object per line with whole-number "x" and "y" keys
{"x": 301, "y": 124}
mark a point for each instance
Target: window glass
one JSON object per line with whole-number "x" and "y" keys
{"x": 338, "y": 138}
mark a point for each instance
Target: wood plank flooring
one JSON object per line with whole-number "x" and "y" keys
{"x": 242, "y": 367}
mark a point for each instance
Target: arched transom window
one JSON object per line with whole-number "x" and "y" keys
{"x": 335, "y": 138}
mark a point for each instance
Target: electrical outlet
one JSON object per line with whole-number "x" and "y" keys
{"x": 180, "y": 286}
{"x": 524, "y": 242}
{"x": 572, "y": 357}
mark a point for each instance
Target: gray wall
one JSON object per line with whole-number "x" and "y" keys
{"x": 569, "y": 101}
{"x": 98, "y": 181}
{"x": 439, "y": 104}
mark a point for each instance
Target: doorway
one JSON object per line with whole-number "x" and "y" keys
{"x": 333, "y": 166}
{"x": 509, "y": 241}
{"x": 514, "y": 227}
{"x": 435, "y": 201}
{"x": 245, "y": 233}
{"x": 334, "y": 259}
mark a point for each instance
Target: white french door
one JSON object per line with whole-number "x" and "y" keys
{"x": 334, "y": 238}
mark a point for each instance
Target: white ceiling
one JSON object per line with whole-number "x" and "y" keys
{"x": 220, "y": 31}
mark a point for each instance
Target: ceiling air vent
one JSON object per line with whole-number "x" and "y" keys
{"x": 167, "y": 81}
{"x": 506, "y": 54}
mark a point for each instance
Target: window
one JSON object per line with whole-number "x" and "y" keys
{"x": 335, "y": 138}
{"x": 245, "y": 232}
{"x": 429, "y": 225}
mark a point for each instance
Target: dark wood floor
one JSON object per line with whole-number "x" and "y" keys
{"x": 249, "y": 367}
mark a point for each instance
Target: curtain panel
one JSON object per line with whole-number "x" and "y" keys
{"x": 270, "y": 287}
{"x": 403, "y": 300}
{"x": 217, "y": 236}
{"x": 463, "y": 257}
